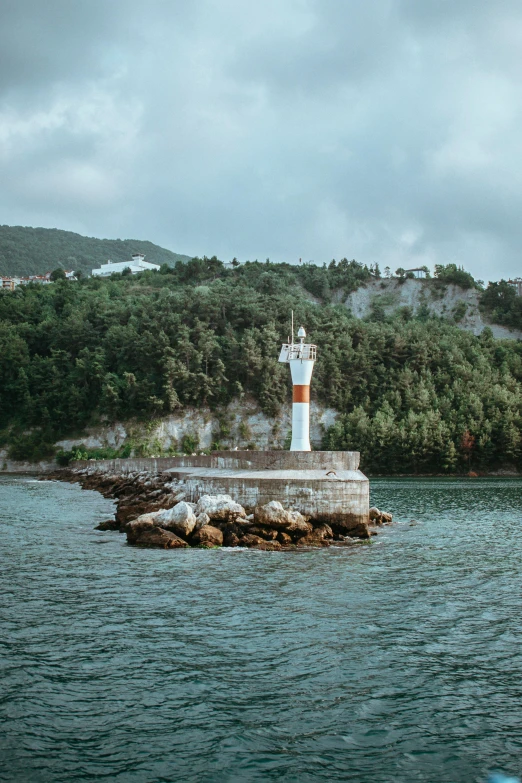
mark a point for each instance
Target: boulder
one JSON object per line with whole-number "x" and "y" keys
{"x": 133, "y": 508}
{"x": 268, "y": 533}
{"x": 230, "y": 539}
{"x": 251, "y": 540}
{"x": 135, "y": 528}
{"x": 220, "y": 507}
{"x": 232, "y": 532}
{"x": 208, "y": 536}
{"x": 158, "y": 538}
{"x": 312, "y": 540}
{"x": 201, "y": 521}
{"x": 299, "y": 525}
{"x": 360, "y": 531}
{"x": 379, "y": 517}
{"x": 109, "y": 524}
{"x": 274, "y": 515}
{"x": 319, "y": 536}
{"x": 323, "y": 531}
{"x": 284, "y": 538}
{"x": 180, "y": 519}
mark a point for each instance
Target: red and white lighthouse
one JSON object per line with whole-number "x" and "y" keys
{"x": 301, "y": 358}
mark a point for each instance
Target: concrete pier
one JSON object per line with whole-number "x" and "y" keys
{"x": 324, "y": 485}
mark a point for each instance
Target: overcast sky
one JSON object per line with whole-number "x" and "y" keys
{"x": 383, "y": 130}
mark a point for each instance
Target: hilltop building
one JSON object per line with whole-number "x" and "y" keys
{"x": 419, "y": 273}
{"x": 10, "y": 283}
{"x": 137, "y": 264}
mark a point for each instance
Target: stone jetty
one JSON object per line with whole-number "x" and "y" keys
{"x": 267, "y": 500}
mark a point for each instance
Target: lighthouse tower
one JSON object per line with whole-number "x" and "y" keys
{"x": 301, "y": 357}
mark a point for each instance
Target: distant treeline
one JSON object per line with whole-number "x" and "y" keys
{"x": 415, "y": 394}
{"x": 34, "y": 251}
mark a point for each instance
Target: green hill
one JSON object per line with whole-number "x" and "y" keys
{"x": 33, "y": 251}
{"x": 414, "y": 393}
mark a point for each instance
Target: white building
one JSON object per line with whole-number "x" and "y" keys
{"x": 137, "y": 264}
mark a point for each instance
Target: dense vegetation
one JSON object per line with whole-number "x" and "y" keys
{"x": 502, "y": 305}
{"x": 415, "y": 394}
{"x": 34, "y": 251}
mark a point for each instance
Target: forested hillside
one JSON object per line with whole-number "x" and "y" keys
{"x": 34, "y": 251}
{"x": 414, "y": 393}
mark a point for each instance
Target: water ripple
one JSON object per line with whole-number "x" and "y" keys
{"x": 398, "y": 661}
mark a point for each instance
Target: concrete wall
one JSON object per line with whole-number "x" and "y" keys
{"x": 233, "y": 460}
{"x": 345, "y": 501}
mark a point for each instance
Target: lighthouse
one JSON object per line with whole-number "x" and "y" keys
{"x": 301, "y": 358}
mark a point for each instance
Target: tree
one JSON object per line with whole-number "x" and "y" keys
{"x": 451, "y": 273}
{"x": 57, "y": 274}
{"x": 467, "y": 445}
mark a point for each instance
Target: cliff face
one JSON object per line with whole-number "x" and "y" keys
{"x": 451, "y": 302}
{"x": 242, "y": 424}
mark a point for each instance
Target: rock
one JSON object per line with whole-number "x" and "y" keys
{"x": 312, "y": 540}
{"x": 201, "y": 521}
{"x": 232, "y": 532}
{"x": 158, "y": 538}
{"x": 180, "y": 519}
{"x": 379, "y": 517}
{"x": 208, "y": 536}
{"x": 172, "y": 499}
{"x": 323, "y": 531}
{"x": 131, "y": 509}
{"x": 134, "y": 528}
{"x": 230, "y": 539}
{"x": 220, "y": 507}
{"x": 284, "y": 538}
{"x": 298, "y": 525}
{"x": 251, "y": 540}
{"x": 319, "y": 536}
{"x": 360, "y": 531}
{"x": 268, "y": 533}
{"x": 274, "y": 515}
{"x": 109, "y": 524}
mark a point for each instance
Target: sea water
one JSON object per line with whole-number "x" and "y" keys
{"x": 398, "y": 660}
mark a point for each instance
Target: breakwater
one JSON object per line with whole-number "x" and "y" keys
{"x": 270, "y": 500}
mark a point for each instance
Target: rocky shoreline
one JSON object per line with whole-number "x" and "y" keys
{"x": 152, "y": 512}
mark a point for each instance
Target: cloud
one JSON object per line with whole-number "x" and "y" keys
{"x": 385, "y": 131}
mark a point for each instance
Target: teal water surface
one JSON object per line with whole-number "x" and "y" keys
{"x": 395, "y": 661}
